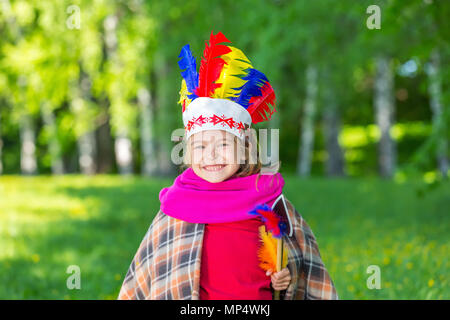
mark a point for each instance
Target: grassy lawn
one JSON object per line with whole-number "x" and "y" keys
{"x": 49, "y": 223}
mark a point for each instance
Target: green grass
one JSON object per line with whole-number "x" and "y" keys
{"x": 49, "y": 223}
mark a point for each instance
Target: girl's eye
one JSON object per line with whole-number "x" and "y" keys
{"x": 224, "y": 144}
{"x": 198, "y": 147}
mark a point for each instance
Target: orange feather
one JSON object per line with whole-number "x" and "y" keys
{"x": 267, "y": 252}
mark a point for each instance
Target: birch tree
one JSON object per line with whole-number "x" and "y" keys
{"x": 54, "y": 146}
{"x": 307, "y": 127}
{"x": 439, "y": 125}
{"x": 335, "y": 162}
{"x": 28, "y": 163}
{"x": 384, "y": 105}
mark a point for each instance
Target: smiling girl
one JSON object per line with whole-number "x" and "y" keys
{"x": 229, "y": 267}
{"x": 203, "y": 244}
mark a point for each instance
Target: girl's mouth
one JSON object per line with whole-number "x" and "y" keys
{"x": 216, "y": 167}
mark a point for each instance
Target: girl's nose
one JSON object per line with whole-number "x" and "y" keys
{"x": 210, "y": 152}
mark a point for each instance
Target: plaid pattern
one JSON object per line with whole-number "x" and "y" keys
{"x": 167, "y": 263}
{"x": 309, "y": 277}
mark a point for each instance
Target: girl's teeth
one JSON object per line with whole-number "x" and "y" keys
{"x": 214, "y": 168}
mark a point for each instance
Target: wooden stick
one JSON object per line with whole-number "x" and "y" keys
{"x": 279, "y": 260}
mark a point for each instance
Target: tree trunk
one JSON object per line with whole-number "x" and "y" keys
{"x": 54, "y": 146}
{"x": 307, "y": 129}
{"x": 149, "y": 163}
{"x": 122, "y": 143}
{"x": 435, "y": 92}
{"x": 87, "y": 149}
{"x": 332, "y": 127}
{"x": 105, "y": 156}
{"x": 27, "y": 138}
{"x": 165, "y": 116}
{"x": 384, "y": 114}
{"x": 87, "y": 146}
{"x": 123, "y": 149}
{"x": 28, "y": 147}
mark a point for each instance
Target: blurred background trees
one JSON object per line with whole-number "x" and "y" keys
{"x": 92, "y": 86}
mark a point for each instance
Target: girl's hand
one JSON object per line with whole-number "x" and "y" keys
{"x": 281, "y": 279}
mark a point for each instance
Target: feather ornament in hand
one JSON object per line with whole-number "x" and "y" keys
{"x": 272, "y": 221}
{"x": 276, "y": 228}
{"x": 267, "y": 252}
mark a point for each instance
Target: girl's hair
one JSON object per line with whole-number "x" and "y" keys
{"x": 252, "y": 164}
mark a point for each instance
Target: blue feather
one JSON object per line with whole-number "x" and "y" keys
{"x": 263, "y": 207}
{"x": 252, "y": 88}
{"x": 189, "y": 70}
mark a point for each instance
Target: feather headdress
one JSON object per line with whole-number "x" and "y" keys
{"x": 227, "y": 93}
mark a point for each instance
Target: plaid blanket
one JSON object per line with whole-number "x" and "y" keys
{"x": 166, "y": 265}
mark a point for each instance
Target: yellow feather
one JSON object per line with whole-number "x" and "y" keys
{"x": 267, "y": 253}
{"x": 236, "y": 63}
{"x": 184, "y": 94}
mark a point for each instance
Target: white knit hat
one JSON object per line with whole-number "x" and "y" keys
{"x": 216, "y": 114}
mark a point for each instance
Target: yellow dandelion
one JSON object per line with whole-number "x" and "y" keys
{"x": 430, "y": 283}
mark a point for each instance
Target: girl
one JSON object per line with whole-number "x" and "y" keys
{"x": 203, "y": 243}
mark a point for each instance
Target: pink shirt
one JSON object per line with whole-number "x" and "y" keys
{"x": 230, "y": 266}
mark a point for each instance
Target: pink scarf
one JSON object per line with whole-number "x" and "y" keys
{"x": 196, "y": 200}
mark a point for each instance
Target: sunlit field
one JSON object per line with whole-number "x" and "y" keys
{"x": 50, "y": 223}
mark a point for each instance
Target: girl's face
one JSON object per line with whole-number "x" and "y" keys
{"x": 214, "y": 155}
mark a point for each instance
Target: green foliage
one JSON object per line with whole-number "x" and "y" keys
{"x": 94, "y": 72}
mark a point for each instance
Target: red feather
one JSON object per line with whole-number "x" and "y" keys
{"x": 272, "y": 221}
{"x": 211, "y": 65}
{"x": 259, "y": 106}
